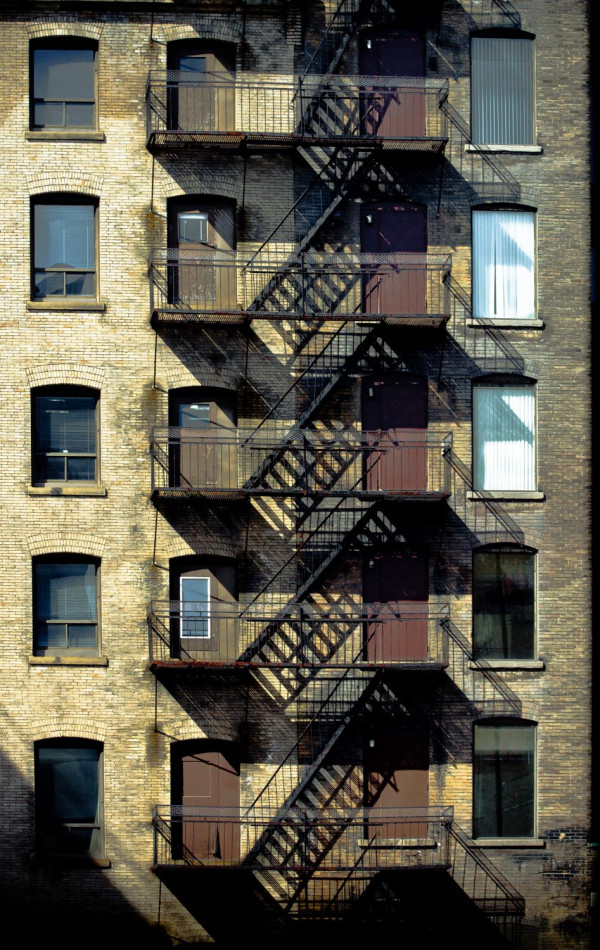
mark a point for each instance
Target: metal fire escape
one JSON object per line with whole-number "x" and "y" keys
{"x": 315, "y": 836}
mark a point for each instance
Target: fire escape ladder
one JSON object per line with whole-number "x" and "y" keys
{"x": 353, "y": 520}
{"x": 301, "y": 847}
{"x": 485, "y": 885}
{"x": 329, "y": 367}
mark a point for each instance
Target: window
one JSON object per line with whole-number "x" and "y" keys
{"x": 504, "y": 264}
{"x": 503, "y": 602}
{"x": 63, "y": 85}
{"x": 504, "y": 780}
{"x": 504, "y": 436}
{"x": 64, "y": 247}
{"x": 502, "y": 89}
{"x": 68, "y": 797}
{"x": 64, "y": 435}
{"x": 66, "y": 605}
{"x": 195, "y": 599}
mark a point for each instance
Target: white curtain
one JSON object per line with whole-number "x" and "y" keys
{"x": 504, "y": 438}
{"x": 504, "y": 264}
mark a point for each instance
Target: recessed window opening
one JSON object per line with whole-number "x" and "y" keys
{"x": 63, "y": 84}
{"x": 66, "y": 605}
{"x": 64, "y": 247}
{"x": 64, "y": 435}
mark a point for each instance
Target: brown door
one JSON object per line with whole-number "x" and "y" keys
{"x": 398, "y": 113}
{"x": 206, "y": 783}
{"x": 204, "y": 625}
{"x": 204, "y": 446}
{"x": 394, "y": 420}
{"x": 201, "y": 88}
{"x": 398, "y": 587}
{"x": 397, "y": 777}
{"x": 202, "y": 273}
{"x": 395, "y": 287}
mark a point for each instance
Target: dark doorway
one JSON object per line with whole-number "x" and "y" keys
{"x": 398, "y": 113}
{"x": 203, "y": 445}
{"x": 201, "y": 87}
{"x": 204, "y": 623}
{"x": 202, "y": 274}
{"x": 397, "y": 777}
{"x": 205, "y": 788}
{"x": 397, "y": 286}
{"x": 397, "y": 628}
{"x": 394, "y": 420}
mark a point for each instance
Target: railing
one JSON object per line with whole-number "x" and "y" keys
{"x": 399, "y": 464}
{"x": 186, "y": 109}
{"x": 205, "y": 837}
{"x": 410, "y": 288}
{"x": 484, "y": 883}
{"x": 333, "y": 636}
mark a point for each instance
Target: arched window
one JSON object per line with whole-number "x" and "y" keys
{"x": 201, "y": 86}
{"x": 202, "y": 272}
{"x": 63, "y": 83}
{"x": 202, "y": 442}
{"x": 504, "y": 455}
{"x": 65, "y": 434}
{"x": 63, "y": 247}
{"x": 503, "y": 263}
{"x": 502, "y": 106}
{"x": 68, "y": 797}
{"x": 504, "y": 779}
{"x": 503, "y": 602}
{"x": 65, "y": 595}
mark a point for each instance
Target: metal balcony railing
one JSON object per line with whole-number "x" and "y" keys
{"x": 342, "y": 635}
{"x": 384, "y": 838}
{"x": 218, "y": 462}
{"x": 192, "y": 110}
{"x": 229, "y": 286}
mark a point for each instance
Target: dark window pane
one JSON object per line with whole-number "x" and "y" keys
{"x": 48, "y": 113}
{"x": 64, "y": 236}
{"x": 67, "y": 798}
{"x": 503, "y": 605}
{"x": 50, "y": 469}
{"x": 48, "y": 284}
{"x": 63, "y": 74}
{"x": 81, "y": 470}
{"x": 504, "y": 781}
{"x": 66, "y": 591}
{"x": 79, "y": 114}
{"x": 82, "y": 635}
{"x": 83, "y": 285}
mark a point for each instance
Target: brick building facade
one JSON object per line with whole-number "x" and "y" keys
{"x": 296, "y": 596}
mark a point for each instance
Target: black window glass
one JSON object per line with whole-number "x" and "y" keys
{"x": 503, "y": 604}
{"x": 64, "y": 250}
{"x": 504, "y": 772}
{"x": 67, "y": 798}
{"x": 65, "y": 438}
{"x": 66, "y": 607}
{"x": 63, "y": 88}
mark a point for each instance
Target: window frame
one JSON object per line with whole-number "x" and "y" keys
{"x": 476, "y": 138}
{"x": 44, "y": 826}
{"x": 65, "y": 43}
{"x": 479, "y": 287}
{"x": 506, "y": 549}
{"x": 65, "y": 200}
{"x": 499, "y": 381}
{"x": 502, "y": 723}
{"x": 66, "y": 650}
{"x": 64, "y": 391}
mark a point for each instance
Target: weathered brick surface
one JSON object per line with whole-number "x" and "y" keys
{"x": 116, "y": 352}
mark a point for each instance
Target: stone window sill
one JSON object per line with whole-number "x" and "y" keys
{"x": 509, "y": 842}
{"x": 516, "y": 149}
{"x": 507, "y": 665}
{"x": 68, "y": 660}
{"x": 516, "y": 324}
{"x": 501, "y": 495}
{"x": 65, "y": 135}
{"x": 70, "y": 491}
{"x": 81, "y": 303}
